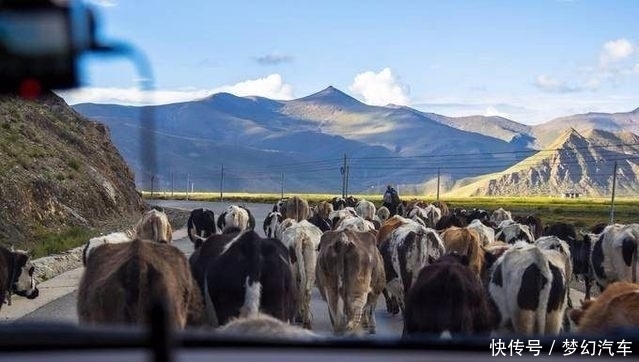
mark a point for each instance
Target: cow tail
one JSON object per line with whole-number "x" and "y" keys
{"x": 298, "y": 209}
{"x": 305, "y": 261}
{"x": 191, "y": 230}
{"x": 158, "y": 235}
{"x": 342, "y": 287}
{"x": 544, "y": 293}
{"x": 253, "y": 286}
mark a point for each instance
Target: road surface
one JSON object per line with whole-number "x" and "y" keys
{"x": 63, "y": 309}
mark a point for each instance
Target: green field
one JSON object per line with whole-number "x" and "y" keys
{"x": 583, "y": 212}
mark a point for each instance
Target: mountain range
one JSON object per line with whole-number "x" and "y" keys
{"x": 262, "y": 145}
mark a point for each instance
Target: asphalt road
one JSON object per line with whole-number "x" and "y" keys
{"x": 63, "y": 310}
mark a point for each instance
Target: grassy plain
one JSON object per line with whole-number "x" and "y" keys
{"x": 583, "y": 212}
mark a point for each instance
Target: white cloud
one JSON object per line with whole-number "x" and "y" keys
{"x": 271, "y": 86}
{"x": 615, "y": 50}
{"x": 614, "y": 66}
{"x": 549, "y": 84}
{"x": 529, "y": 109}
{"x": 380, "y": 88}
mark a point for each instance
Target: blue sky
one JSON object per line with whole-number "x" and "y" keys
{"x": 530, "y": 61}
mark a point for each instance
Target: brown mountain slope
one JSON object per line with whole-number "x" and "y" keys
{"x": 58, "y": 170}
{"x": 573, "y": 162}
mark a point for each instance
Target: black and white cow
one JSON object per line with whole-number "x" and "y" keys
{"x": 409, "y": 247}
{"x": 16, "y": 275}
{"x": 242, "y": 274}
{"x": 272, "y": 220}
{"x": 614, "y": 255}
{"x": 510, "y": 232}
{"x": 529, "y": 285}
{"x": 201, "y": 223}
{"x": 580, "y": 250}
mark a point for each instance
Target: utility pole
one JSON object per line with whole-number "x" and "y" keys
{"x": 172, "y": 182}
{"x": 282, "y": 184}
{"x": 188, "y": 182}
{"x": 222, "y": 184}
{"x": 343, "y": 172}
{"x": 438, "y": 175}
{"x": 612, "y": 201}
{"x": 348, "y": 170}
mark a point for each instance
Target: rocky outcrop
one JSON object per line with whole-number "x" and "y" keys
{"x": 58, "y": 170}
{"x": 576, "y": 162}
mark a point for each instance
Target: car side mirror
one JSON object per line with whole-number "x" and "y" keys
{"x": 40, "y": 43}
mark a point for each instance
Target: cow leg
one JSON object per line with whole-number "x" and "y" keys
{"x": 588, "y": 286}
{"x": 306, "y": 310}
{"x": 371, "y": 303}
{"x": 396, "y": 289}
{"x": 524, "y": 322}
{"x": 554, "y": 321}
{"x": 392, "y": 305}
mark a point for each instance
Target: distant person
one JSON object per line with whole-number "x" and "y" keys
{"x": 391, "y": 200}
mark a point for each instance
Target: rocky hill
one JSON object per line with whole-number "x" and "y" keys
{"x": 575, "y": 162}
{"x": 58, "y": 171}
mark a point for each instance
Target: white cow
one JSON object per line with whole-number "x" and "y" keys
{"x": 235, "y": 218}
{"x": 486, "y": 233}
{"x": 365, "y": 209}
{"x": 302, "y": 239}
{"x": 500, "y": 215}
{"x": 113, "y": 238}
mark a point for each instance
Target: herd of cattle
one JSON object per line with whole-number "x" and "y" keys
{"x": 447, "y": 271}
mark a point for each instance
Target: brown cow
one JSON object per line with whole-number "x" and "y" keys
{"x": 442, "y": 206}
{"x": 122, "y": 280}
{"x": 617, "y": 306}
{"x": 466, "y": 242}
{"x": 350, "y": 277}
{"x": 154, "y": 225}
{"x": 324, "y": 209}
{"x": 297, "y": 209}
